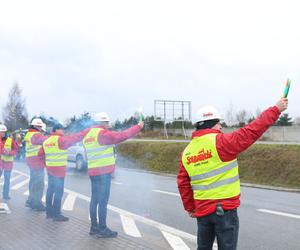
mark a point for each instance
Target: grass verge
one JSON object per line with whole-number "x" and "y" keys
{"x": 274, "y": 165}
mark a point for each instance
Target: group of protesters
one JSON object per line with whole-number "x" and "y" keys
{"x": 50, "y": 152}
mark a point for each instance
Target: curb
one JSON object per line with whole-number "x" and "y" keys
{"x": 284, "y": 189}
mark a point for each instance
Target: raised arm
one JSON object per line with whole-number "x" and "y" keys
{"x": 231, "y": 144}
{"x": 107, "y": 137}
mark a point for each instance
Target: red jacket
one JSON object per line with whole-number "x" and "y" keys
{"x": 1, "y": 145}
{"x": 228, "y": 147}
{"x": 36, "y": 162}
{"x": 107, "y": 137}
{"x": 64, "y": 142}
{"x": 13, "y": 152}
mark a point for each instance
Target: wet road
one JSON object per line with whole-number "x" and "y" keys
{"x": 268, "y": 219}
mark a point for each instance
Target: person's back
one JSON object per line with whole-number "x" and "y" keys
{"x": 99, "y": 144}
{"x": 208, "y": 178}
{"x": 8, "y": 151}
{"x": 54, "y": 147}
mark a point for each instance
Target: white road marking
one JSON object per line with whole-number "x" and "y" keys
{"x": 69, "y": 203}
{"x": 279, "y": 213}
{"x": 4, "y": 209}
{"x": 175, "y": 242}
{"x": 20, "y": 184}
{"x": 165, "y": 192}
{"x": 116, "y": 183}
{"x": 215, "y": 246}
{"x": 160, "y": 226}
{"x": 130, "y": 227}
{"x": 11, "y": 179}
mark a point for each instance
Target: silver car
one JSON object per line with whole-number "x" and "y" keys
{"x": 77, "y": 154}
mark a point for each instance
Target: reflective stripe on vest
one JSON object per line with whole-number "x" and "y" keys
{"x": 97, "y": 155}
{"x": 55, "y": 157}
{"x": 8, "y": 147}
{"x": 30, "y": 149}
{"x": 211, "y": 178}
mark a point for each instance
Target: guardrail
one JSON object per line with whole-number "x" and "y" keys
{"x": 284, "y": 134}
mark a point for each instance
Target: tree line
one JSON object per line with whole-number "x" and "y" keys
{"x": 15, "y": 116}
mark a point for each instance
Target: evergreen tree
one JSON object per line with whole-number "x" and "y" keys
{"x": 284, "y": 120}
{"x": 151, "y": 123}
{"x": 77, "y": 124}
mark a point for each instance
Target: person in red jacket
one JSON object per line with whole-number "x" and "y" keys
{"x": 54, "y": 147}
{"x": 208, "y": 179}
{"x": 35, "y": 161}
{"x": 8, "y": 150}
{"x": 99, "y": 144}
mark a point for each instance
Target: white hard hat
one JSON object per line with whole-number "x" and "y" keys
{"x": 37, "y": 122}
{"x": 101, "y": 117}
{"x": 44, "y": 127}
{"x": 3, "y": 128}
{"x": 207, "y": 113}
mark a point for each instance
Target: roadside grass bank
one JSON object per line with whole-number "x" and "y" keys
{"x": 273, "y": 165}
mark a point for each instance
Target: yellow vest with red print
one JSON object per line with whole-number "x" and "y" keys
{"x": 55, "y": 157}
{"x": 8, "y": 147}
{"x": 211, "y": 178}
{"x": 97, "y": 155}
{"x": 30, "y": 149}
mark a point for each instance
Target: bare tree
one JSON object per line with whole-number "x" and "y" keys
{"x": 242, "y": 117}
{"x": 230, "y": 116}
{"x": 14, "y": 113}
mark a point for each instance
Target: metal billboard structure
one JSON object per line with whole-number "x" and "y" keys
{"x": 170, "y": 111}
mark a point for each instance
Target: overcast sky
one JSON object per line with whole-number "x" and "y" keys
{"x": 115, "y": 56}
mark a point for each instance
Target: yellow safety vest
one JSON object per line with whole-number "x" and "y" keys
{"x": 211, "y": 178}
{"x": 30, "y": 149}
{"x": 55, "y": 157}
{"x": 97, "y": 155}
{"x": 8, "y": 147}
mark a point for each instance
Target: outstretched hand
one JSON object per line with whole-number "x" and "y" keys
{"x": 141, "y": 124}
{"x": 282, "y": 104}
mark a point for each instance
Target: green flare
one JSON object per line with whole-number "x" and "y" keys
{"x": 142, "y": 118}
{"x": 287, "y": 88}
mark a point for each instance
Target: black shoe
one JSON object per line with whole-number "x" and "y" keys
{"x": 107, "y": 233}
{"x": 27, "y": 203}
{"x": 49, "y": 216}
{"x": 40, "y": 208}
{"x": 94, "y": 230}
{"x": 60, "y": 217}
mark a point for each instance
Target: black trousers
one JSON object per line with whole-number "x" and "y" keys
{"x": 225, "y": 228}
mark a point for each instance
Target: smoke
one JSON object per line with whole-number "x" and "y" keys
{"x": 77, "y": 124}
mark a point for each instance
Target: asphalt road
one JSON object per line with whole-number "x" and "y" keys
{"x": 268, "y": 219}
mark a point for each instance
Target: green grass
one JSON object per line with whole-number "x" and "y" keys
{"x": 276, "y": 165}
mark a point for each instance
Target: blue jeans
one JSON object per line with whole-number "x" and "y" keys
{"x": 100, "y": 186}
{"x": 54, "y": 195}
{"x": 7, "y": 174}
{"x": 36, "y": 187}
{"x": 225, "y": 228}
